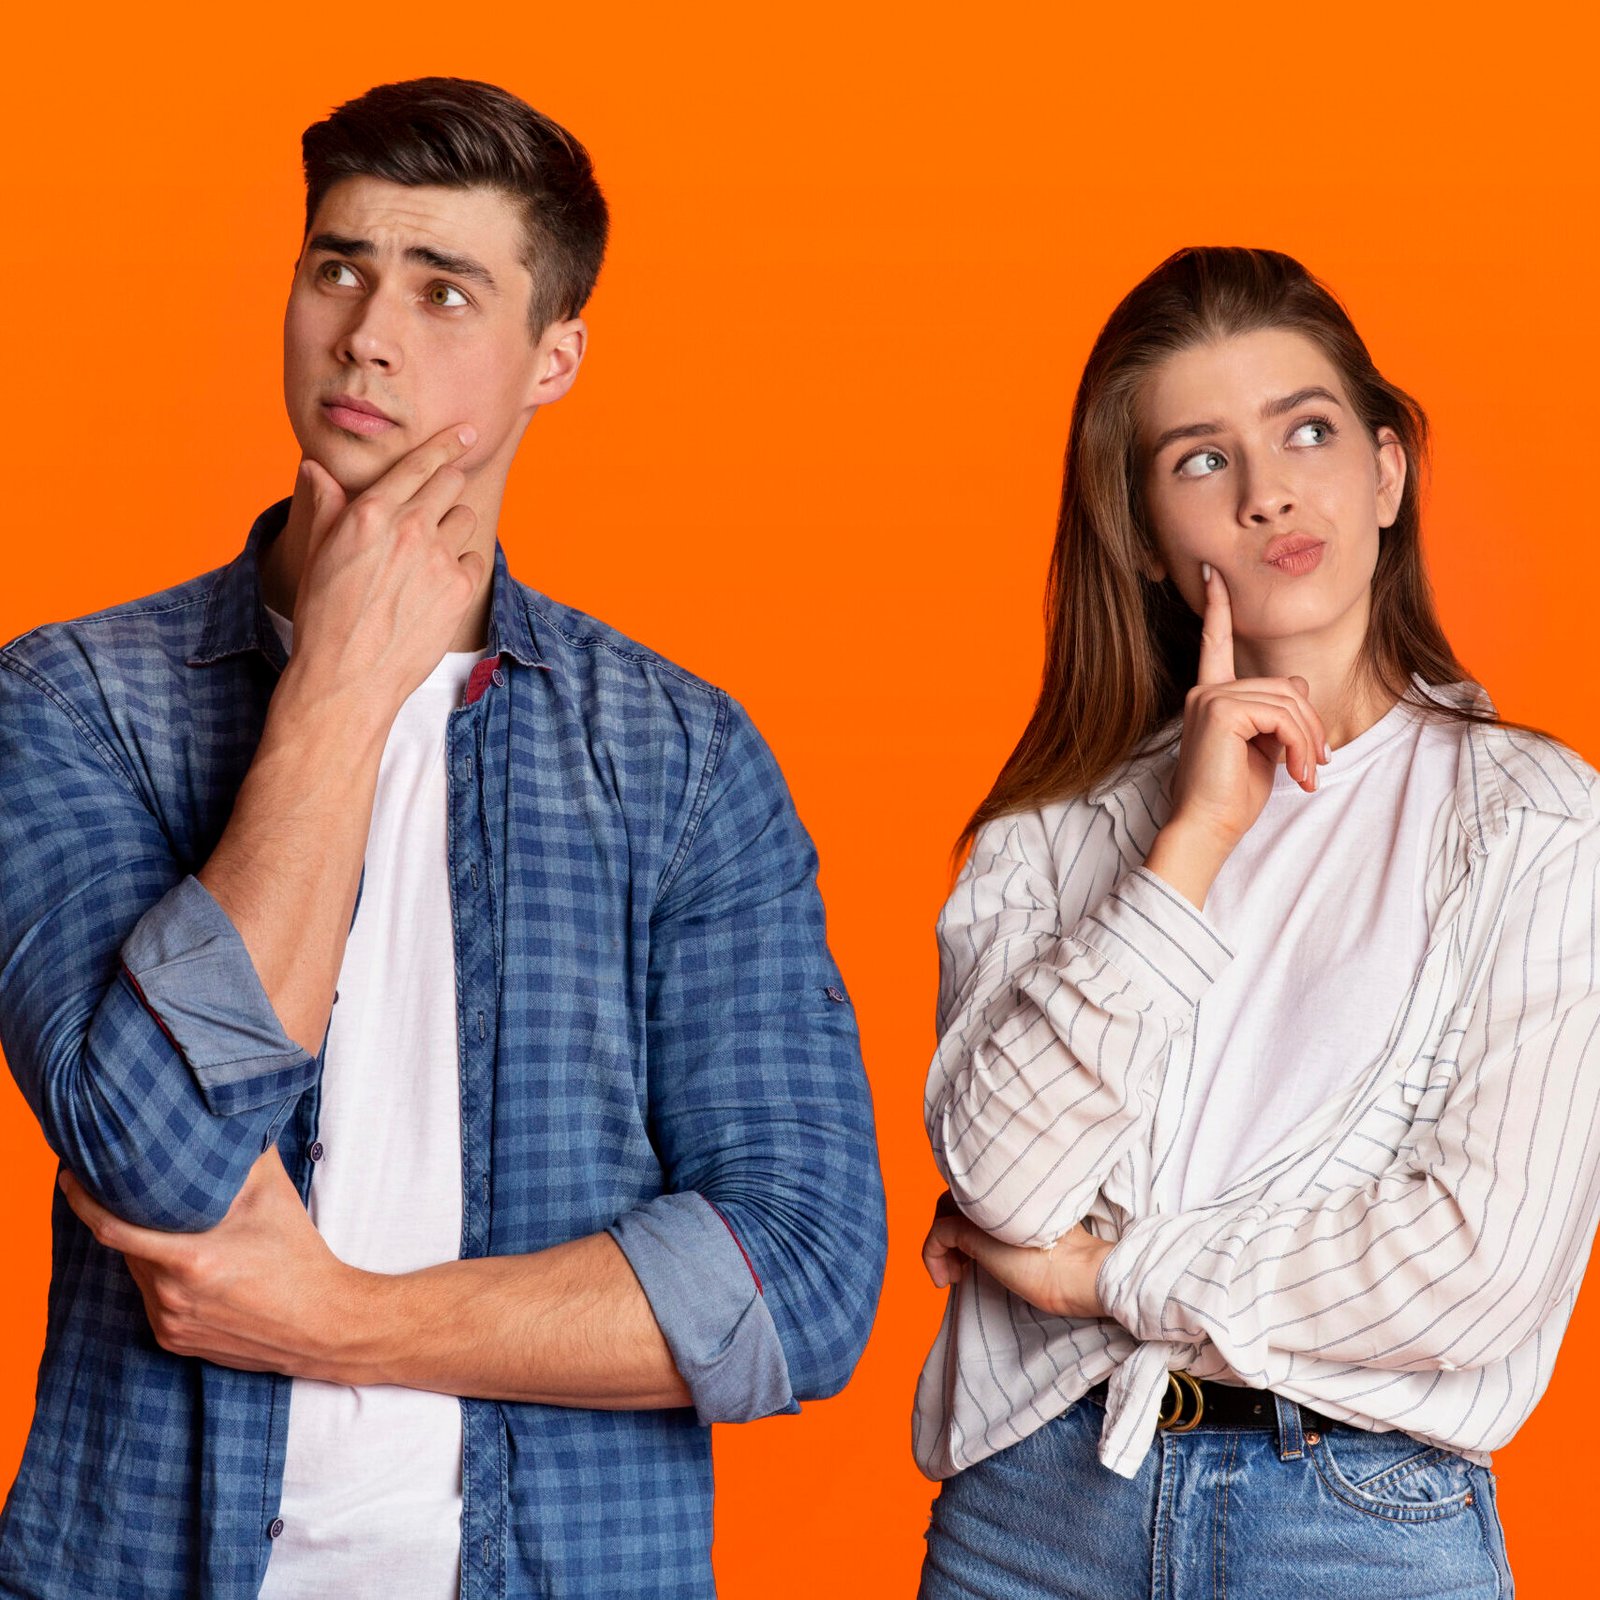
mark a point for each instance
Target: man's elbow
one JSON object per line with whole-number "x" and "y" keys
{"x": 168, "y": 1202}
{"x": 825, "y": 1347}
{"x": 826, "y": 1368}
{"x": 182, "y": 1190}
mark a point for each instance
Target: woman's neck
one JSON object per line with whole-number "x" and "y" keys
{"x": 1347, "y": 700}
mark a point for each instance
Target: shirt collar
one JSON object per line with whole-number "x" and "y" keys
{"x": 236, "y": 617}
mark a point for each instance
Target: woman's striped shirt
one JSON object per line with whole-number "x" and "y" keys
{"x": 1407, "y": 1258}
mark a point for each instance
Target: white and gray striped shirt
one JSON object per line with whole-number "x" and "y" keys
{"x": 1408, "y": 1257}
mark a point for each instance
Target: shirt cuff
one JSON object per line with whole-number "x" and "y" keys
{"x": 1157, "y": 939}
{"x": 708, "y": 1304}
{"x": 1137, "y": 1278}
{"x": 187, "y": 963}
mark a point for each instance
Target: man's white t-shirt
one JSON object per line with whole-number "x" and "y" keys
{"x": 1325, "y": 903}
{"x": 371, "y": 1499}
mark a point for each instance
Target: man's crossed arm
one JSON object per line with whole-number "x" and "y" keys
{"x": 262, "y": 1291}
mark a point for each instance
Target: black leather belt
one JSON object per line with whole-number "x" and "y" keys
{"x": 1198, "y": 1403}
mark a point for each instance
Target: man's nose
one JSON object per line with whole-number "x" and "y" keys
{"x": 371, "y": 337}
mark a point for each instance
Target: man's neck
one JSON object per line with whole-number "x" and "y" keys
{"x": 284, "y": 559}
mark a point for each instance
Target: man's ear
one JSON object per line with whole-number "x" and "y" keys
{"x": 561, "y": 348}
{"x": 1391, "y": 476}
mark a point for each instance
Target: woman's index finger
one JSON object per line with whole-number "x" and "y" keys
{"x": 1216, "y": 631}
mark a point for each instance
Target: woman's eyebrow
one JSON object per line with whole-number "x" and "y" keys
{"x": 1276, "y": 408}
{"x": 1272, "y": 408}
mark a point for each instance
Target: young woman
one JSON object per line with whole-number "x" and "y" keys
{"x": 1268, "y": 1083}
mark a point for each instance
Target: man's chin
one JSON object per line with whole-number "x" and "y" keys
{"x": 355, "y": 464}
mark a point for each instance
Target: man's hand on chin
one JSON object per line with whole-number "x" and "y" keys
{"x": 261, "y": 1291}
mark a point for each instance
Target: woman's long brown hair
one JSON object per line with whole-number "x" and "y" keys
{"x": 1121, "y": 651}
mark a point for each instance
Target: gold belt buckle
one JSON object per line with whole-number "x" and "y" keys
{"x": 1171, "y": 1424}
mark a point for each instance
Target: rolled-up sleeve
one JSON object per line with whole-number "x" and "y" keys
{"x": 764, "y": 1260}
{"x": 192, "y": 971}
{"x": 131, "y": 1015}
{"x": 710, "y": 1307}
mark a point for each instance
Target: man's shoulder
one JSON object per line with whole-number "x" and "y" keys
{"x": 583, "y": 651}
{"x": 129, "y": 636}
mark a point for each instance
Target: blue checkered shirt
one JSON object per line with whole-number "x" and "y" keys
{"x": 654, "y": 1041}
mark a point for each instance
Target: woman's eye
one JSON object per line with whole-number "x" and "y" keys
{"x": 1314, "y": 432}
{"x": 1202, "y": 464}
{"x": 335, "y": 267}
{"x": 443, "y": 289}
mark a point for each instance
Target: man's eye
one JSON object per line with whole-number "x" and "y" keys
{"x": 443, "y": 289}
{"x": 1202, "y": 464}
{"x": 335, "y": 267}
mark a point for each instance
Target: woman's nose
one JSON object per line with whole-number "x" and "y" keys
{"x": 1265, "y": 494}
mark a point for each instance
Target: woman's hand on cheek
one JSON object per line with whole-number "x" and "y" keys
{"x": 1235, "y": 733}
{"x": 1060, "y": 1280}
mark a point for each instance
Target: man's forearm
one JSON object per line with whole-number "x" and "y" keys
{"x": 382, "y": 584}
{"x": 565, "y": 1326}
{"x": 288, "y": 865}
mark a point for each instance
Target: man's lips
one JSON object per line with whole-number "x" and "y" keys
{"x": 350, "y": 402}
{"x": 357, "y": 416}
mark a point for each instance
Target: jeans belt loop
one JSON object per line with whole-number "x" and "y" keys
{"x": 1291, "y": 1430}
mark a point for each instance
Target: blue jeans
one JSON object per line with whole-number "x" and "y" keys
{"x": 1247, "y": 1514}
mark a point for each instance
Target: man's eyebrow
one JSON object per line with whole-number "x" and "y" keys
{"x": 441, "y": 261}
{"x": 1273, "y": 408}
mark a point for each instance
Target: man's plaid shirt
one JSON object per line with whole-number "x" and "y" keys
{"x": 654, "y": 1040}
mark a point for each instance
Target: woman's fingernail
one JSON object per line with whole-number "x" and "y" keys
{"x": 1205, "y": 570}
{"x": 1327, "y": 754}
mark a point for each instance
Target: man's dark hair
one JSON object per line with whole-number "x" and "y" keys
{"x": 463, "y": 134}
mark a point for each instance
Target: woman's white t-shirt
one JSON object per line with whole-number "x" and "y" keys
{"x": 1324, "y": 900}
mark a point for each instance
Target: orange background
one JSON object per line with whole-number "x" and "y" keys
{"x": 860, "y": 254}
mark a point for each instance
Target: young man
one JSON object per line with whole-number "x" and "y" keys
{"x": 355, "y": 876}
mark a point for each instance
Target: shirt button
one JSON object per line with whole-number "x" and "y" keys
{"x": 834, "y": 994}
{"x": 275, "y": 1527}
{"x": 498, "y": 677}
{"x": 316, "y": 1151}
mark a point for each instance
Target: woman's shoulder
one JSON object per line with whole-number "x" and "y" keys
{"x": 1523, "y": 766}
{"x": 1052, "y": 835}
{"x": 1505, "y": 766}
{"x": 1536, "y": 769}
